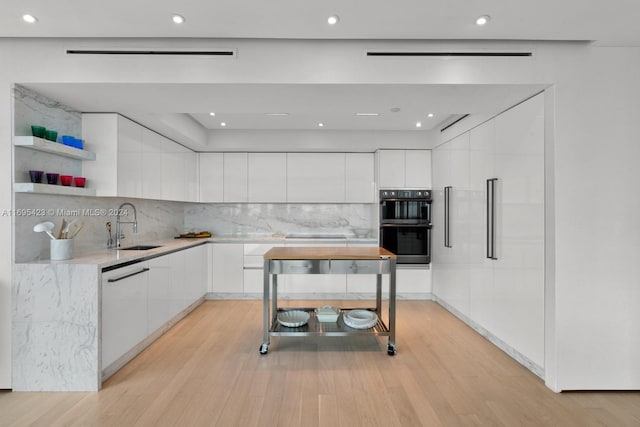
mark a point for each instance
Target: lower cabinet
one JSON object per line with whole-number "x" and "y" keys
{"x": 124, "y": 310}
{"x": 139, "y": 299}
{"x": 227, "y": 268}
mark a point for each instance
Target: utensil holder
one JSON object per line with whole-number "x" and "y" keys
{"x": 61, "y": 249}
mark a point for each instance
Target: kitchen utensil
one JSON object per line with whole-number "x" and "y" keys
{"x": 63, "y": 226}
{"x": 74, "y": 229}
{"x": 52, "y": 178}
{"x": 80, "y": 181}
{"x": 66, "y": 180}
{"x": 36, "y": 176}
{"x": 46, "y": 226}
{"x": 110, "y": 241}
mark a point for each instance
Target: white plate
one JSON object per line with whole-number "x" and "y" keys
{"x": 360, "y": 319}
{"x": 293, "y": 318}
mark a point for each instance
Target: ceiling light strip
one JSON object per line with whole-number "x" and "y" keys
{"x": 464, "y": 116}
{"x": 152, "y": 52}
{"x": 451, "y": 54}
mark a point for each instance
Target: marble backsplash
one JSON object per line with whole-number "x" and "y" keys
{"x": 269, "y": 218}
{"x": 156, "y": 220}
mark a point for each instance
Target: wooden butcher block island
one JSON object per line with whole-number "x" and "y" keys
{"x": 328, "y": 260}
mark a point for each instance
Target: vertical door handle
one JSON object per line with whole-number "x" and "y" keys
{"x": 491, "y": 218}
{"x": 447, "y": 217}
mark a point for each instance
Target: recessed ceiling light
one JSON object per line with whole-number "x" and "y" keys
{"x": 430, "y": 115}
{"x": 333, "y": 19}
{"x": 223, "y": 124}
{"x": 418, "y": 124}
{"x": 276, "y": 114}
{"x": 212, "y": 113}
{"x": 29, "y": 18}
{"x": 178, "y": 19}
{"x": 367, "y": 114}
{"x": 320, "y": 124}
{"x": 482, "y": 20}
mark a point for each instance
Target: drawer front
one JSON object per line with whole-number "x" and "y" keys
{"x": 359, "y": 267}
{"x": 312, "y": 266}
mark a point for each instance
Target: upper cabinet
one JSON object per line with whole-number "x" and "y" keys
{"x": 315, "y": 177}
{"x": 267, "y": 177}
{"x": 235, "y": 181}
{"x": 360, "y": 178}
{"x": 287, "y": 177}
{"x": 404, "y": 168}
{"x": 133, "y": 161}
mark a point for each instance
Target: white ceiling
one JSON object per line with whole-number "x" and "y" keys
{"x": 244, "y": 106}
{"x": 609, "y": 22}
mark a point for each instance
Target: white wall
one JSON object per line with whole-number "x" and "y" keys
{"x": 594, "y": 340}
{"x": 317, "y": 141}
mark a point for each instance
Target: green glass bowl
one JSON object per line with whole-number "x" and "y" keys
{"x": 51, "y": 135}
{"x": 38, "y": 131}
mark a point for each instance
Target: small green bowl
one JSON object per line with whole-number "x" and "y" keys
{"x": 51, "y": 135}
{"x": 38, "y": 131}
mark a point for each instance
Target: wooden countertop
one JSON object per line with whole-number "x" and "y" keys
{"x": 335, "y": 253}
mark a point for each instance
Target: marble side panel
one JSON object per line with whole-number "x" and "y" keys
{"x": 55, "y": 310}
{"x": 270, "y": 218}
{"x": 31, "y": 108}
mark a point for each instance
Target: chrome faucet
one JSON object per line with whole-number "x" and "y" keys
{"x": 119, "y": 234}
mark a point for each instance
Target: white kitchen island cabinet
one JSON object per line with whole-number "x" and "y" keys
{"x": 311, "y": 261}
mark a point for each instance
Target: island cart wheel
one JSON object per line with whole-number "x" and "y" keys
{"x": 391, "y": 350}
{"x": 264, "y": 348}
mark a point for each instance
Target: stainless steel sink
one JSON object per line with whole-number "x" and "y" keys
{"x": 140, "y": 247}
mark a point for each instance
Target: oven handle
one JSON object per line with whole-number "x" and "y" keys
{"x": 423, "y": 225}
{"x": 491, "y": 218}
{"x": 447, "y": 217}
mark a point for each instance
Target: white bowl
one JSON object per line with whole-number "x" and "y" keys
{"x": 361, "y": 232}
{"x": 293, "y": 318}
{"x": 360, "y": 319}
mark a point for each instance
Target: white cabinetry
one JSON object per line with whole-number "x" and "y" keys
{"x": 315, "y": 177}
{"x": 404, "y": 168}
{"x": 503, "y": 295}
{"x": 359, "y": 178}
{"x": 124, "y": 310}
{"x": 267, "y": 177}
{"x": 254, "y": 266}
{"x": 227, "y": 260}
{"x": 211, "y": 171}
{"x": 450, "y": 263}
{"x": 133, "y": 161}
{"x": 235, "y": 177}
{"x": 137, "y": 300}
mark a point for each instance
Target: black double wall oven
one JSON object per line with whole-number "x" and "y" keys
{"x": 405, "y": 224}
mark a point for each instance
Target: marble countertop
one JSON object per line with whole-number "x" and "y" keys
{"x": 109, "y": 257}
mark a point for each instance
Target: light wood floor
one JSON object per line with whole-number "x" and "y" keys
{"x": 207, "y": 371}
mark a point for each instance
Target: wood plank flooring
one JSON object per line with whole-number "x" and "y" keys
{"x": 207, "y": 371}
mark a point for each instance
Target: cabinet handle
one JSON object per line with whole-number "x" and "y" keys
{"x": 447, "y": 217}
{"x": 124, "y": 276}
{"x": 491, "y": 218}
